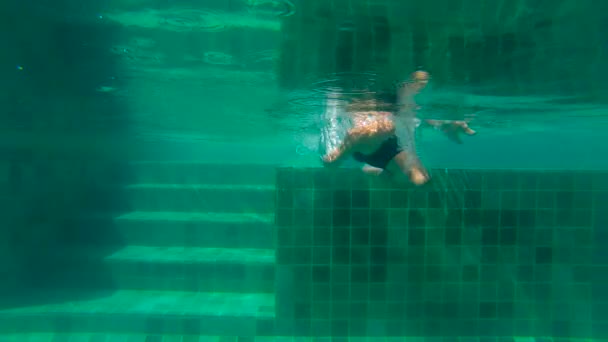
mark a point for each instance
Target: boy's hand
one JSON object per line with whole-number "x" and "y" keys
{"x": 452, "y": 129}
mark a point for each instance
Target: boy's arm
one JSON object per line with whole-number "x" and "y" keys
{"x": 405, "y": 96}
{"x": 451, "y": 129}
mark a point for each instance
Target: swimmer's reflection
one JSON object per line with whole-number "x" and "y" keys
{"x": 382, "y": 136}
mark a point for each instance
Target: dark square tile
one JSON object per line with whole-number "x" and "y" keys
{"x": 359, "y": 274}
{"x": 360, "y": 256}
{"x": 321, "y": 296}
{"x": 341, "y": 255}
{"x": 453, "y": 236}
{"x": 416, "y": 219}
{"x": 302, "y": 326}
{"x": 321, "y": 255}
{"x": 506, "y": 291}
{"x": 322, "y": 217}
{"x": 418, "y": 199}
{"x": 322, "y": 178}
{"x": 360, "y": 199}
{"x": 341, "y": 236}
{"x": 360, "y": 236}
{"x": 360, "y": 181}
{"x": 509, "y": 200}
{"x": 493, "y": 180}
{"x": 546, "y": 200}
{"x": 544, "y": 218}
{"x": 528, "y": 181}
{"x": 302, "y": 255}
{"x": 508, "y": 236}
{"x": 341, "y": 217}
{"x": 302, "y": 179}
{"x": 377, "y": 291}
{"x": 360, "y": 218}
{"x": 321, "y": 236}
{"x": 399, "y": 199}
{"x": 378, "y": 236}
{"x": 380, "y": 199}
{"x": 377, "y": 275}
{"x": 564, "y": 199}
{"x": 342, "y": 199}
{"x": 489, "y": 236}
{"x": 378, "y": 255}
{"x": 583, "y": 199}
{"x": 583, "y": 181}
{"x": 303, "y": 218}
{"x": 320, "y": 274}
{"x": 284, "y": 217}
{"x": 582, "y": 218}
{"x": 285, "y": 236}
{"x": 433, "y": 273}
{"x": 303, "y": 199}
{"x": 487, "y": 310}
{"x": 472, "y": 218}
{"x": 359, "y": 292}
{"x": 265, "y": 327}
{"x": 285, "y": 178}
{"x": 321, "y": 310}
{"x": 342, "y": 179}
{"x": 358, "y": 310}
{"x": 490, "y": 218}
{"x": 417, "y": 236}
{"x": 285, "y": 255}
{"x": 544, "y": 255}
{"x": 548, "y": 181}
{"x": 436, "y": 199}
{"x": 339, "y": 328}
{"x": 527, "y": 199}
{"x": 378, "y": 218}
{"x": 473, "y": 179}
{"x": 472, "y": 199}
{"x": 526, "y": 218}
{"x": 285, "y": 198}
{"x": 322, "y": 199}
{"x": 508, "y": 218}
{"x": 489, "y": 254}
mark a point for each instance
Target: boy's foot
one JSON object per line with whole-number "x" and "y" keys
{"x": 418, "y": 177}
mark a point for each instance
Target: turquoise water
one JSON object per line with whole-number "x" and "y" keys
{"x": 256, "y": 72}
{"x": 160, "y": 176}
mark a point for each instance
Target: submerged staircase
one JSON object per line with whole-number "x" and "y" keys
{"x": 179, "y": 249}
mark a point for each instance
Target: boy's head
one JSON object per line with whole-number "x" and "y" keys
{"x": 419, "y": 80}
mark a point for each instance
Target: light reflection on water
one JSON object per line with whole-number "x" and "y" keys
{"x": 192, "y": 72}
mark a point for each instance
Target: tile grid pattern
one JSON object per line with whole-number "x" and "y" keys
{"x": 475, "y": 253}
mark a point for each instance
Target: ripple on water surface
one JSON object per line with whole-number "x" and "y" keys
{"x": 336, "y": 84}
{"x": 271, "y": 8}
{"x": 193, "y": 20}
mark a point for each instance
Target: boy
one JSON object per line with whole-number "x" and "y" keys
{"x": 383, "y": 137}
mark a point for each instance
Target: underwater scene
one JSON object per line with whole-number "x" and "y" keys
{"x": 304, "y": 170}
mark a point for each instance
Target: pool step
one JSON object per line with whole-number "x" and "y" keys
{"x": 131, "y": 312}
{"x": 193, "y": 173}
{"x": 132, "y": 337}
{"x": 164, "y": 268}
{"x": 185, "y": 198}
{"x": 165, "y": 228}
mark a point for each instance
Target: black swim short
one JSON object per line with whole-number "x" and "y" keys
{"x": 383, "y": 155}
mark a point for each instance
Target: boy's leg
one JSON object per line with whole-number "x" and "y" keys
{"x": 406, "y": 167}
{"x": 377, "y": 172}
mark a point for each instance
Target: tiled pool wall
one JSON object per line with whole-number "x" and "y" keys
{"x": 473, "y": 253}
